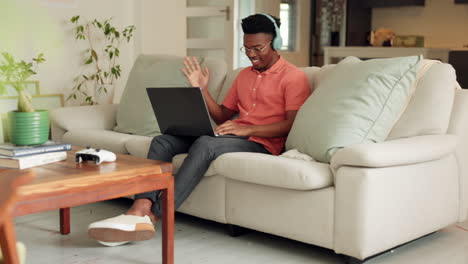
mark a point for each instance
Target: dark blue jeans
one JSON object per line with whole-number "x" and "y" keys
{"x": 201, "y": 152}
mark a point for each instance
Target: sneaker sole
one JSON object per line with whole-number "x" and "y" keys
{"x": 142, "y": 232}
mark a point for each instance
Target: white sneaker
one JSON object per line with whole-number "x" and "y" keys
{"x": 122, "y": 229}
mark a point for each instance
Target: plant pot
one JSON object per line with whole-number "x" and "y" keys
{"x": 29, "y": 128}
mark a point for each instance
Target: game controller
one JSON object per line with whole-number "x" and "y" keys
{"x": 96, "y": 155}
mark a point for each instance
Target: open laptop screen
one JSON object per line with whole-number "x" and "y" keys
{"x": 180, "y": 111}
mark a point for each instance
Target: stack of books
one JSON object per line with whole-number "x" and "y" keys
{"x": 23, "y": 157}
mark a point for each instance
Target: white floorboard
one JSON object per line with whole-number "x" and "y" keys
{"x": 199, "y": 241}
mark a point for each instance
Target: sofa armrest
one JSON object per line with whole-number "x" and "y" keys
{"x": 397, "y": 152}
{"x": 377, "y": 209}
{"x": 94, "y": 117}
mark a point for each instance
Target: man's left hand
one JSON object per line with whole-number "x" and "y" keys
{"x": 232, "y": 128}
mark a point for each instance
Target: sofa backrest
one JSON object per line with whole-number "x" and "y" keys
{"x": 154, "y": 70}
{"x": 429, "y": 109}
{"x": 230, "y": 77}
{"x": 427, "y": 113}
{"x": 314, "y": 75}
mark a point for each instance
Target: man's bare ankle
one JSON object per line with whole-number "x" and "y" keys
{"x": 142, "y": 207}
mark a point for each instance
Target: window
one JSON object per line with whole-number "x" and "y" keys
{"x": 288, "y": 29}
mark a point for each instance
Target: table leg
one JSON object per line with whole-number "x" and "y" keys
{"x": 168, "y": 224}
{"x": 64, "y": 221}
{"x": 8, "y": 241}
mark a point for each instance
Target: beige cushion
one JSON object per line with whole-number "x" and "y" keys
{"x": 315, "y": 75}
{"x": 135, "y": 114}
{"x": 358, "y": 101}
{"x": 230, "y": 77}
{"x": 274, "y": 171}
{"x": 311, "y": 73}
{"x": 428, "y": 111}
{"x": 97, "y": 138}
{"x": 138, "y": 146}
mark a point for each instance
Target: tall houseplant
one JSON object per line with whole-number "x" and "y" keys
{"x": 101, "y": 58}
{"x": 26, "y": 125}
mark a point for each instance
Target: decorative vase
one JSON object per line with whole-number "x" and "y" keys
{"x": 29, "y": 128}
{"x": 334, "y": 38}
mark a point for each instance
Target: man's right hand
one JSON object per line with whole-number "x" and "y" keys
{"x": 195, "y": 75}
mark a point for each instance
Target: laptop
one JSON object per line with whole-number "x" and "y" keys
{"x": 182, "y": 111}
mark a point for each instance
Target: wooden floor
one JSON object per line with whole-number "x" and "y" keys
{"x": 204, "y": 242}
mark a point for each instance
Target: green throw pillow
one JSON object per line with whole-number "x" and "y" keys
{"x": 358, "y": 101}
{"x": 135, "y": 114}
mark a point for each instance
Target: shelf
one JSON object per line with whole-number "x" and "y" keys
{"x": 333, "y": 53}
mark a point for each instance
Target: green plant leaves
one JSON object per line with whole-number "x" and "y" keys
{"x": 102, "y": 60}
{"x": 16, "y": 74}
{"x": 75, "y": 19}
{"x": 94, "y": 54}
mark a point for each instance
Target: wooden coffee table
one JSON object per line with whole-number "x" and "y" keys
{"x": 65, "y": 184}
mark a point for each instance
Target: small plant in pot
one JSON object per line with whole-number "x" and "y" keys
{"x": 101, "y": 67}
{"x": 27, "y": 126}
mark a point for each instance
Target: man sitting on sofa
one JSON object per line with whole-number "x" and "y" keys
{"x": 266, "y": 96}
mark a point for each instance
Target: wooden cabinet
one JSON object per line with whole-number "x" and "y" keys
{"x": 358, "y": 26}
{"x": 459, "y": 60}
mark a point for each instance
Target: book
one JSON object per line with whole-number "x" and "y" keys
{"x": 31, "y": 160}
{"x": 8, "y": 149}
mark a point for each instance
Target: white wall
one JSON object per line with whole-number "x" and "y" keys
{"x": 28, "y": 27}
{"x": 441, "y": 22}
{"x": 34, "y": 26}
{"x": 163, "y": 26}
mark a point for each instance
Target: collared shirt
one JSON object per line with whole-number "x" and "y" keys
{"x": 262, "y": 98}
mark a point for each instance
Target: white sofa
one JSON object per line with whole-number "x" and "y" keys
{"x": 371, "y": 198}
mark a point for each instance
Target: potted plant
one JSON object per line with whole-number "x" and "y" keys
{"x": 26, "y": 125}
{"x": 101, "y": 59}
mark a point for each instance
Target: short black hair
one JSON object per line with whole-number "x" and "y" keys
{"x": 259, "y": 23}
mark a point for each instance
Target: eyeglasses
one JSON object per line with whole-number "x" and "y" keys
{"x": 255, "y": 50}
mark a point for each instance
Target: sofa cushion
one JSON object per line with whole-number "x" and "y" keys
{"x": 274, "y": 171}
{"x": 98, "y": 138}
{"x": 135, "y": 114}
{"x": 230, "y": 77}
{"x": 138, "y": 146}
{"x": 315, "y": 75}
{"x": 428, "y": 111}
{"x": 357, "y": 102}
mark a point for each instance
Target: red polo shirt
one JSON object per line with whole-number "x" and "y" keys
{"x": 262, "y": 98}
